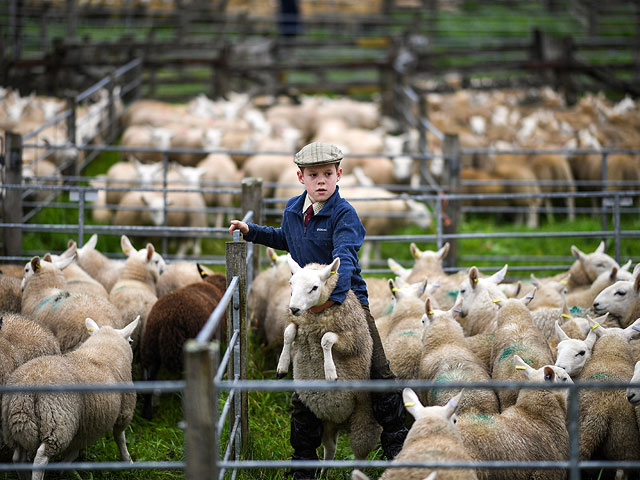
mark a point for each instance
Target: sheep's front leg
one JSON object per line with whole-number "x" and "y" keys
{"x": 121, "y": 441}
{"x": 328, "y": 341}
{"x": 285, "y": 356}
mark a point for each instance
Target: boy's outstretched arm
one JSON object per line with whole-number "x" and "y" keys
{"x": 238, "y": 225}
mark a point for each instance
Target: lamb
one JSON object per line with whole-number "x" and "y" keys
{"x": 621, "y": 300}
{"x": 127, "y": 174}
{"x": 476, "y": 301}
{"x": 401, "y": 337}
{"x": 515, "y": 333}
{"x": 587, "y": 266}
{"x": 447, "y": 358}
{"x": 585, "y": 298}
{"x": 147, "y": 137}
{"x": 176, "y": 275}
{"x": 77, "y": 279}
{"x": 433, "y": 438}
{"x": 534, "y": 429}
{"x": 608, "y": 427}
{"x": 135, "y": 291}
{"x": 173, "y": 319}
{"x": 22, "y": 339}
{"x": 219, "y": 169}
{"x": 45, "y": 300}
{"x": 49, "y": 424}
{"x": 310, "y": 340}
{"x": 103, "y": 269}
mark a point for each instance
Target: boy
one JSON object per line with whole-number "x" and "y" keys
{"x": 318, "y": 226}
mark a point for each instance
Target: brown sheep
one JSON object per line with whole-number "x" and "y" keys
{"x": 174, "y": 318}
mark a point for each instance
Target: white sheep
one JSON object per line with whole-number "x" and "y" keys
{"x": 310, "y": 340}
{"x": 219, "y": 171}
{"x": 45, "y": 300}
{"x": 477, "y": 301}
{"x": 176, "y": 275}
{"x": 587, "y": 266}
{"x": 621, "y": 300}
{"x": 48, "y": 424}
{"x": 433, "y": 437}
{"x": 78, "y": 280}
{"x": 99, "y": 266}
{"x": 534, "y": 429}
{"x": 135, "y": 291}
{"x": 633, "y": 393}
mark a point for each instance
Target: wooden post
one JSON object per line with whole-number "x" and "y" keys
{"x": 236, "y": 259}
{"x": 111, "y": 112}
{"x": 451, "y": 182}
{"x": 72, "y": 18}
{"x": 387, "y": 78}
{"x": 423, "y": 146}
{"x": 12, "y": 236}
{"x": 200, "y": 405}
{"x": 252, "y": 200}
{"x": 71, "y": 132}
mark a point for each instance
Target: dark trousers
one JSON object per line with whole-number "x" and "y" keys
{"x": 388, "y": 407}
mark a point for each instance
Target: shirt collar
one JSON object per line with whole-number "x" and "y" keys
{"x": 316, "y": 206}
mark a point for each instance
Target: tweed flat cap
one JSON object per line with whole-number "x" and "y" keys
{"x": 317, "y": 153}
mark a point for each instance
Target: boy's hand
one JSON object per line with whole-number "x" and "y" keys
{"x": 238, "y": 225}
{"x": 323, "y": 307}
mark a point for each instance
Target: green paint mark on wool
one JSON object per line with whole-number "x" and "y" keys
{"x": 453, "y": 293}
{"x": 481, "y": 418}
{"x": 388, "y": 310}
{"x": 446, "y": 377}
{"x": 599, "y": 376}
{"x": 510, "y": 352}
{"x": 577, "y": 311}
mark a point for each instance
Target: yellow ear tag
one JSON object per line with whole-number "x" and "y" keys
{"x": 595, "y": 326}
{"x": 333, "y": 272}
{"x": 496, "y": 300}
{"x": 90, "y": 329}
{"x": 475, "y": 280}
{"x": 563, "y": 282}
{"x": 564, "y": 315}
{"x": 38, "y": 266}
{"x": 430, "y": 312}
{"x": 409, "y": 404}
{"x": 394, "y": 289}
{"x": 125, "y": 250}
{"x": 520, "y": 367}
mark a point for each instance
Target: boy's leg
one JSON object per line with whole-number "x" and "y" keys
{"x": 305, "y": 437}
{"x": 388, "y": 407}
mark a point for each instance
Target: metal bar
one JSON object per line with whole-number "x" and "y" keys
{"x": 227, "y": 355}
{"x": 225, "y": 411}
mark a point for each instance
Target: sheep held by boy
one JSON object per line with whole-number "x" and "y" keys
{"x": 516, "y": 334}
{"x": 433, "y": 438}
{"x": 43, "y": 425}
{"x": 173, "y": 319}
{"x": 46, "y": 301}
{"x": 534, "y": 429}
{"x": 447, "y": 358}
{"x": 135, "y": 292}
{"x": 332, "y": 345}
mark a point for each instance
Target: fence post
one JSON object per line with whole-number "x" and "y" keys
{"x": 236, "y": 260}
{"x": 12, "y": 236}
{"x": 71, "y": 131}
{"x": 252, "y": 200}
{"x": 72, "y": 18}
{"x": 200, "y": 406}
{"x": 451, "y": 182}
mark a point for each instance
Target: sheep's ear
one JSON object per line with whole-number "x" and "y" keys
{"x": 549, "y": 374}
{"x": 150, "y": 251}
{"x": 129, "y": 329}
{"x": 443, "y": 251}
{"x": 528, "y": 298}
{"x": 560, "y": 333}
{"x": 626, "y": 266}
{"x": 91, "y": 243}
{"x": 427, "y": 309}
{"x": 35, "y": 263}
{"x": 126, "y": 245}
{"x": 636, "y": 270}
{"x": 397, "y": 269}
{"x": 63, "y": 263}
{"x": 473, "y": 276}
{"x": 393, "y": 287}
{"x": 201, "y": 271}
{"x": 632, "y": 331}
{"x": 534, "y": 280}
{"x": 292, "y": 264}
{"x": 358, "y": 475}
{"x": 636, "y": 284}
{"x": 613, "y": 274}
{"x": 415, "y": 251}
{"x": 271, "y": 253}
{"x": 452, "y": 404}
{"x": 432, "y": 476}
{"x": 592, "y": 337}
{"x": 71, "y": 242}
{"x": 577, "y": 253}
{"x": 71, "y": 250}
{"x": 47, "y": 257}
{"x": 522, "y": 365}
{"x": 601, "y": 247}
{"x": 412, "y": 402}
{"x": 499, "y": 275}
{"x": 92, "y": 326}
{"x": 518, "y": 288}
{"x": 596, "y": 324}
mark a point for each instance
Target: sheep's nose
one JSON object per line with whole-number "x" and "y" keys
{"x": 295, "y": 311}
{"x": 595, "y": 305}
{"x": 630, "y": 396}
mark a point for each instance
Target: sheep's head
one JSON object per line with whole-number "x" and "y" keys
{"x": 594, "y": 263}
{"x": 572, "y": 352}
{"x": 441, "y": 417}
{"x": 38, "y": 266}
{"x": 546, "y": 373}
{"x": 154, "y": 261}
{"x": 633, "y": 393}
{"x": 474, "y": 290}
{"x": 618, "y": 299}
{"x": 307, "y": 284}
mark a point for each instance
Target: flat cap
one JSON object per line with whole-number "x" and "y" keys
{"x": 318, "y": 153}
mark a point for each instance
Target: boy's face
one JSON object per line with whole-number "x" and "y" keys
{"x": 320, "y": 181}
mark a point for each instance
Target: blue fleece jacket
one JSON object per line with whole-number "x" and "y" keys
{"x": 335, "y": 231}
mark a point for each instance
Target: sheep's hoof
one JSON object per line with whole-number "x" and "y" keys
{"x": 280, "y": 375}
